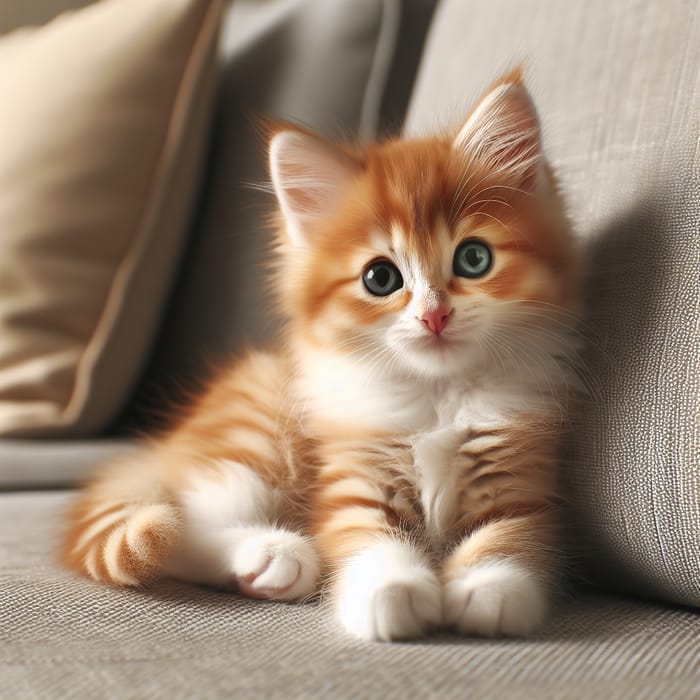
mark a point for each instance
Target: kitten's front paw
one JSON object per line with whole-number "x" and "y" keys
{"x": 276, "y": 564}
{"x": 495, "y": 598}
{"x": 387, "y": 593}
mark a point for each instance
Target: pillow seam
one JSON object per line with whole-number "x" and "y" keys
{"x": 377, "y": 78}
{"x": 153, "y": 202}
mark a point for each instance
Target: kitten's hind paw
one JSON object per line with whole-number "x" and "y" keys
{"x": 387, "y": 593}
{"x": 276, "y": 564}
{"x": 496, "y": 598}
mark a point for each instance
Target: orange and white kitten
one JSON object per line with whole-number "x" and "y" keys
{"x": 401, "y": 444}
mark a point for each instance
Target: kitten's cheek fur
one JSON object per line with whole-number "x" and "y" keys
{"x": 495, "y": 598}
{"x": 388, "y": 592}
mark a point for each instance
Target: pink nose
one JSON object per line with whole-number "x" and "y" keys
{"x": 436, "y": 320}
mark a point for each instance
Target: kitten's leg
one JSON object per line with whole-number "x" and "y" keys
{"x": 214, "y": 527}
{"x": 382, "y": 584}
{"x": 203, "y": 504}
{"x": 497, "y": 580}
{"x": 230, "y": 537}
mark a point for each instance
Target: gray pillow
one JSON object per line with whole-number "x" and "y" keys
{"x": 326, "y": 64}
{"x": 617, "y": 86}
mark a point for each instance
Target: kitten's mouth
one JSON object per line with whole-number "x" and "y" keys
{"x": 430, "y": 341}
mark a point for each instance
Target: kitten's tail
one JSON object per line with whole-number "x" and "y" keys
{"x": 118, "y": 541}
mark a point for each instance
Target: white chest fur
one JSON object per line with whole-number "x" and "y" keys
{"x": 435, "y": 419}
{"x": 433, "y": 455}
{"x": 458, "y": 410}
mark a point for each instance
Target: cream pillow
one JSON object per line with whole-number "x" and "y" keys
{"x": 103, "y": 119}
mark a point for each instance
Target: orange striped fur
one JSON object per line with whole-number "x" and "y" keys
{"x": 400, "y": 448}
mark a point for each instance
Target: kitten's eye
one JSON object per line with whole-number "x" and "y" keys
{"x": 472, "y": 259}
{"x": 381, "y": 278}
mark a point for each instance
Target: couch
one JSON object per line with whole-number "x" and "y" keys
{"x": 618, "y": 88}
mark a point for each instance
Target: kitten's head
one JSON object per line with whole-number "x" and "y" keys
{"x": 433, "y": 256}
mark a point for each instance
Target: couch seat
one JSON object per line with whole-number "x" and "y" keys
{"x": 61, "y": 636}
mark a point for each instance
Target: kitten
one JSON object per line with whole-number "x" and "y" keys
{"x": 402, "y": 442}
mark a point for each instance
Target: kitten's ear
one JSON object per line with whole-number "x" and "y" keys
{"x": 503, "y": 133}
{"x": 310, "y": 176}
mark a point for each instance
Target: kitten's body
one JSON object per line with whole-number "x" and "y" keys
{"x": 401, "y": 446}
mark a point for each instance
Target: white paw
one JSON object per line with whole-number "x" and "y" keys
{"x": 387, "y": 592}
{"x": 495, "y": 598}
{"x": 276, "y": 564}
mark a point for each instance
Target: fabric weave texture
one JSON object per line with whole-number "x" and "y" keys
{"x": 65, "y": 637}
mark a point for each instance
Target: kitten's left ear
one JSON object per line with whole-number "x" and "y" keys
{"x": 503, "y": 133}
{"x": 310, "y": 177}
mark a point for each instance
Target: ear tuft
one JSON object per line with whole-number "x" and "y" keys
{"x": 309, "y": 176}
{"x": 503, "y": 133}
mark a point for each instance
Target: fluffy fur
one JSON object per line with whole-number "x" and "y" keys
{"x": 400, "y": 449}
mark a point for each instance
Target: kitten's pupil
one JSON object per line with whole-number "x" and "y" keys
{"x": 474, "y": 256}
{"x": 382, "y": 276}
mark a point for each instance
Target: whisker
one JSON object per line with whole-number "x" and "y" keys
{"x": 467, "y": 211}
{"x": 491, "y": 216}
{"x": 507, "y": 187}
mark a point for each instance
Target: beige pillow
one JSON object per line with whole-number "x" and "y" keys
{"x": 103, "y": 119}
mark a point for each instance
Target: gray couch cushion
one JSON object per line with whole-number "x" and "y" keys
{"x": 64, "y": 637}
{"x": 41, "y": 464}
{"x": 21, "y": 14}
{"x": 618, "y": 87}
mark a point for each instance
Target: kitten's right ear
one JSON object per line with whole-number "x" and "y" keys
{"x": 310, "y": 176}
{"x": 503, "y": 133}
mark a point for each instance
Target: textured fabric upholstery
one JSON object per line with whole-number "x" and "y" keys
{"x": 62, "y": 636}
{"x": 618, "y": 88}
